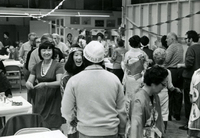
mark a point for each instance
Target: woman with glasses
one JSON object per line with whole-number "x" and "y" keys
{"x": 48, "y": 73}
{"x": 145, "y": 111}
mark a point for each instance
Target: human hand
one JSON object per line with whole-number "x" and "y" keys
{"x": 62, "y": 60}
{"x": 180, "y": 65}
{"x": 21, "y": 60}
{"x": 74, "y": 122}
{"x": 29, "y": 85}
{"x": 178, "y": 90}
{"x": 40, "y": 85}
{"x": 150, "y": 61}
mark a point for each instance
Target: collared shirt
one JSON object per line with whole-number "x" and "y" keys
{"x": 25, "y": 48}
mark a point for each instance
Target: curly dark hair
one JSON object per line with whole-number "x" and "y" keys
{"x": 155, "y": 75}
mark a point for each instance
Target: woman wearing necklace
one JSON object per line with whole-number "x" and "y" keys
{"x": 145, "y": 112}
{"x": 48, "y": 73}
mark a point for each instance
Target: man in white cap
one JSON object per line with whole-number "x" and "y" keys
{"x": 98, "y": 97}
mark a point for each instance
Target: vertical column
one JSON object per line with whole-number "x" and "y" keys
{"x": 158, "y": 18}
{"x": 149, "y": 19}
{"x": 191, "y": 19}
{"x": 179, "y": 22}
{"x": 168, "y": 16}
{"x": 140, "y": 18}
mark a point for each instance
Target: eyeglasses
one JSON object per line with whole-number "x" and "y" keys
{"x": 164, "y": 84}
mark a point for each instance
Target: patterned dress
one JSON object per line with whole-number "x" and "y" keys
{"x": 47, "y": 99}
{"x": 194, "y": 120}
{"x": 145, "y": 116}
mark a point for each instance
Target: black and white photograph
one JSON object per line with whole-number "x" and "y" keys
{"x": 99, "y": 69}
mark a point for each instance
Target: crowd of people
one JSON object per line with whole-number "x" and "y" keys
{"x": 68, "y": 83}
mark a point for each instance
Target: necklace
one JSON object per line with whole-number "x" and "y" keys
{"x": 45, "y": 70}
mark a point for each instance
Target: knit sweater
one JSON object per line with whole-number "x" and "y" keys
{"x": 192, "y": 60}
{"x": 174, "y": 55}
{"x": 99, "y": 98}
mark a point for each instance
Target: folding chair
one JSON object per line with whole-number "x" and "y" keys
{"x": 18, "y": 122}
{"x": 13, "y": 72}
{"x": 31, "y": 130}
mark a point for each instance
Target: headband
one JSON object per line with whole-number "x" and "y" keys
{"x": 73, "y": 49}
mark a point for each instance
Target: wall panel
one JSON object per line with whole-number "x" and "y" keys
{"x": 153, "y": 13}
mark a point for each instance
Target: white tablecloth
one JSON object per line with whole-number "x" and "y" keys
{"x": 12, "y": 62}
{"x": 7, "y": 110}
{"x": 47, "y": 134}
{"x": 4, "y": 57}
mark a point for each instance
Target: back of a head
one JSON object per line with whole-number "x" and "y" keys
{"x": 46, "y": 37}
{"x": 120, "y": 43}
{"x": 159, "y": 56}
{"x": 94, "y": 52}
{"x": 101, "y": 35}
{"x": 173, "y": 35}
{"x": 164, "y": 42}
{"x": 56, "y": 35}
{"x": 134, "y": 41}
{"x": 144, "y": 40}
{"x": 193, "y": 34}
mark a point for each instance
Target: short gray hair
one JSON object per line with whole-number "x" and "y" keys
{"x": 159, "y": 56}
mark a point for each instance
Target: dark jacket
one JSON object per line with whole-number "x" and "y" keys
{"x": 192, "y": 60}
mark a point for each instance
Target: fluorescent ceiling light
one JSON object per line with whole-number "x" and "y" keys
{"x": 92, "y": 15}
{"x": 13, "y": 16}
{"x": 7, "y": 13}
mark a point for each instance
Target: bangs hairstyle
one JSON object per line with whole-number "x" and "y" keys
{"x": 155, "y": 75}
{"x": 70, "y": 65}
{"x": 47, "y": 45}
